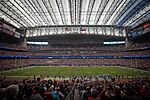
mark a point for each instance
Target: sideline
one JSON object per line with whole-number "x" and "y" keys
{"x": 28, "y": 67}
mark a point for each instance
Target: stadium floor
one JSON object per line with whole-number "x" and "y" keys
{"x": 67, "y": 71}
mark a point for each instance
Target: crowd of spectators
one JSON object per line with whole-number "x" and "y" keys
{"x": 139, "y": 46}
{"x": 74, "y": 53}
{"x": 90, "y": 88}
{"x": 102, "y": 47}
{"x": 37, "y": 89}
{"x": 142, "y": 64}
{"x": 134, "y": 89}
{"x": 13, "y": 46}
{"x": 8, "y": 64}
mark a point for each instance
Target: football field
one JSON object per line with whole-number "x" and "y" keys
{"x": 74, "y": 71}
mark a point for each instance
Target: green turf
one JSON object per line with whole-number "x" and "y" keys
{"x": 74, "y": 71}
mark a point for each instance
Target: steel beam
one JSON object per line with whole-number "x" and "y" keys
{"x": 100, "y": 10}
{"x": 61, "y": 11}
{"x": 104, "y": 29}
{"x": 37, "y": 11}
{"x": 138, "y": 15}
{"x": 41, "y": 11}
{"x": 18, "y": 16}
{"x": 136, "y": 8}
{"x": 142, "y": 19}
{"x": 79, "y": 11}
{"x": 26, "y": 12}
{"x": 118, "y": 11}
{"x": 7, "y": 9}
{"x": 111, "y": 10}
{"x": 50, "y": 10}
{"x": 89, "y": 11}
{"x": 124, "y": 10}
{"x": 71, "y": 10}
{"x": 11, "y": 17}
{"x": 22, "y": 13}
{"x": 31, "y": 11}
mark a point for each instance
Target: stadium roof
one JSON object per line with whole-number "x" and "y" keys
{"x": 35, "y": 13}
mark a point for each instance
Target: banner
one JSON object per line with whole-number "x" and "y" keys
{"x": 83, "y": 29}
{"x": 17, "y": 34}
{"x": 8, "y": 27}
{"x": 7, "y": 31}
{"x": 147, "y": 25}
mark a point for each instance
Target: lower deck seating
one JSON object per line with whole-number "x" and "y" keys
{"x": 8, "y": 64}
{"x": 90, "y": 88}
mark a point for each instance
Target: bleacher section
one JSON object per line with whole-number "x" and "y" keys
{"x": 11, "y": 59}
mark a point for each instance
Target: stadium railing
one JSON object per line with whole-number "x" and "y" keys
{"x": 70, "y": 96}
